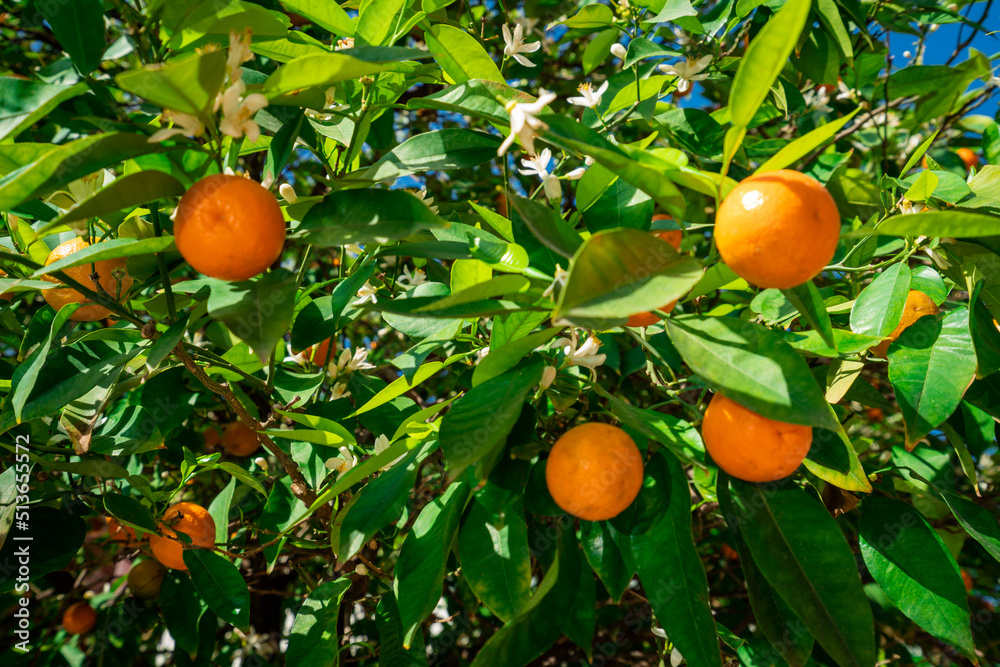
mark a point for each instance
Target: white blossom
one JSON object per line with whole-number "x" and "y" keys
{"x": 418, "y": 277}
{"x": 687, "y": 71}
{"x": 818, "y": 99}
{"x": 339, "y": 391}
{"x": 618, "y": 51}
{"x": 515, "y": 45}
{"x": 589, "y": 97}
{"x": 576, "y": 174}
{"x": 381, "y": 444}
{"x": 344, "y": 462}
{"x": 843, "y": 92}
{"x": 367, "y": 293}
{"x": 237, "y": 112}
{"x": 426, "y": 199}
{"x": 344, "y": 43}
{"x": 993, "y": 81}
{"x": 585, "y": 355}
{"x": 548, "y": 377}
{"x": 906, "y": 207}
{"x": 239, "y": 53}
{"x": 184, "y": 123}
{"x": 524, "y": 123}
{"x": 557, "y": 282}
{"x": 288, "y": 193}
{"x": 356, "y": 361}
{"x": 537, "y": 165}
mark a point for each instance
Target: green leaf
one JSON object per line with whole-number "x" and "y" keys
{"x": 419, "y": 572}
{"x": 479, "y": 98}
{"x": 679, "y": 436}
{"x": 930, "y": 366}
{"x": 803, "y": 554}
{"x": 942, "y": 224}
{"x": 256, "y": 311}
{"x": 484, "y": 416}
{"x": 68, "y": 162}
{"x": 590, "y": 17}
{"x": 27, "y": 375}
{"x": 365, "y": 216}
{"x": 806, "y": 144}
{"x": 753, "y": 366}
{"x": 390, "y": 637}
{"x": 79, "y": 27}
{"x": 110, "y": 249}
{"x": 923, "y": 187}
{"x": 438, "y": 150}
{"x": 219, "y": 511}
{"x": 612, "y": 565}
{"x": 916, "y": 571}
{"x": 978, "y": 521}
{"x": 641, "y": 48}
{"x": 493, "y": 545}
{"x": 460, "y": 55}
{"x": 220, "y": 585}
{"x": 544, "y": 618}
{"x": 504, "y": 357}
{"x": 671, "y": 571}
{"x": 829, "y": 16}
{"x": 321, "y": 318}
{"x": 181, "y": 608}
{"x": 807, "y": 300}
{"x": 22, "y": 104}
{"x": 129, "y": 512}
{"x": 187, "y": 84}
{"x": 401, "y": 385}
{"x": 377, "y": 21}
{"x": 313, "y": 639}
{"x": 617, "y": 273}
{"x": 325, "y": 69}
{"x": 879, "y": 307}
{"x": 378, "y": 504}
{"x": 324, "y": 13}
{"x": 547, "y": 226}
{"x": 767, "y": 54}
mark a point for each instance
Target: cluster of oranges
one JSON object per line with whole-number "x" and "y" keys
{"x": 595, "y": 471}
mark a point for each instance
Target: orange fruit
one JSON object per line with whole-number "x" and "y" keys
{"x": 60, "y": 296}
{"x": 968, "y": 156}
{"x": 917, "y": 305}
{"x": 229, "y": 227}
{"x": 123, "y": 534}
{"x": 750, "y": 446}
{"x": 967, "y": 580}
{"x": 79, "y": 618}
{"x": 777, "y": 229}
{"x": 321, "y": 354}
{"x": 594, "y": 471}
{"x": 190, "y": 519}
{"x": 145, "y": 578}
{"x": 240, "y": 440}
{"x": 673, "y": 237}
{"x": 212, "y": 438}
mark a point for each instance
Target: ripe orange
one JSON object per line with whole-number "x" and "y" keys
{"x": 917, "y": 305}
{"x": 60, "y": 296}
{"x": 79, "y": 618}
{"x": 777, "y": 229}
{"x": 750, "y": 446}
{"x": 968, "y": 156}
{"x": 239, "y": 440}
{"x": 673, "y": 237}
{"x": 594, "y": 471}
{"x": 123, "y": 534}
{"x": 212, "y": 438}
{"x": 967, "y": 580}
{"x": 321, "y": 354}
{"x": 145, "y": 579}
{"x": 190, "y": 519}
{"x": 229, "y": 227}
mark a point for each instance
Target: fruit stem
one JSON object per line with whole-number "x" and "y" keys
{"x": 162, "y": 263}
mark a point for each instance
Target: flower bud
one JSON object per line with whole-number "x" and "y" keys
{"x": 618, "y": 51}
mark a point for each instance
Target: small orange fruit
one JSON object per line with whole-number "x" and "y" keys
{"x": 777, "y": 229}
{"x": 212, "y": 438}
{"x": 240, "y": 440}
{"x": 60, "y": 296}
{"x": 750, "y": 446}
{"x": 79, "y": 618}
{"x": 146, "y": 578}
{"x": 321, "y": 354}
{"x": 594, "y": 471}
{"x": 190, "y": 519}
{"x": 229, "y": 227}
{"x": 673, "y": 237}
{"x": 917, "y": 305}
{"x": 968, "y": 156}
{"x": 967, "y": 580}
{"x": 123, "y": 534}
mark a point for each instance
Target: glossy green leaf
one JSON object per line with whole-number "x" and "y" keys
{"x": 916, "y": 571}
{"x": 220, "y": 585}
{"x": 806, "y": 144}
{"x": 613, "y": 565}
{"x": 939, "y": 224}
{"x": 79, "y": 27}
{"x": 22, "y": 103}
{"x": 438, "y": 150}
{"x": 325, "y": 14}
{"x": 111, "y": 249}
{"x": 324, "y": 70}
{"x": 803, "y": 554}
{"x": 590, "y": 17}
{"x": 767, "y": 54}
{"x": 420, "y": 569}
{"x": 187, "y": 84}
{"x": 753, "y": 366}
{"x": 978, "y": 521}
{"x": 617, "y": 273}
{"x": 460, "y": 55}
{"x": 504, "y": 357}
{"x": 313, "y": 639}
{"x": 807, "y": 300}
{"x": 390, "y": 637}
{"x": 129, "y": 512}
{"x": 378, "y": 20}
{"x": 879, "y": 307}
{"x": 930, "y": 366}
{"x": 365, "y": 216}
{"x": 257, "y": 311}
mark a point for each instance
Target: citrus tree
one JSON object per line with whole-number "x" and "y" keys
{"x": 411, "y": 333}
